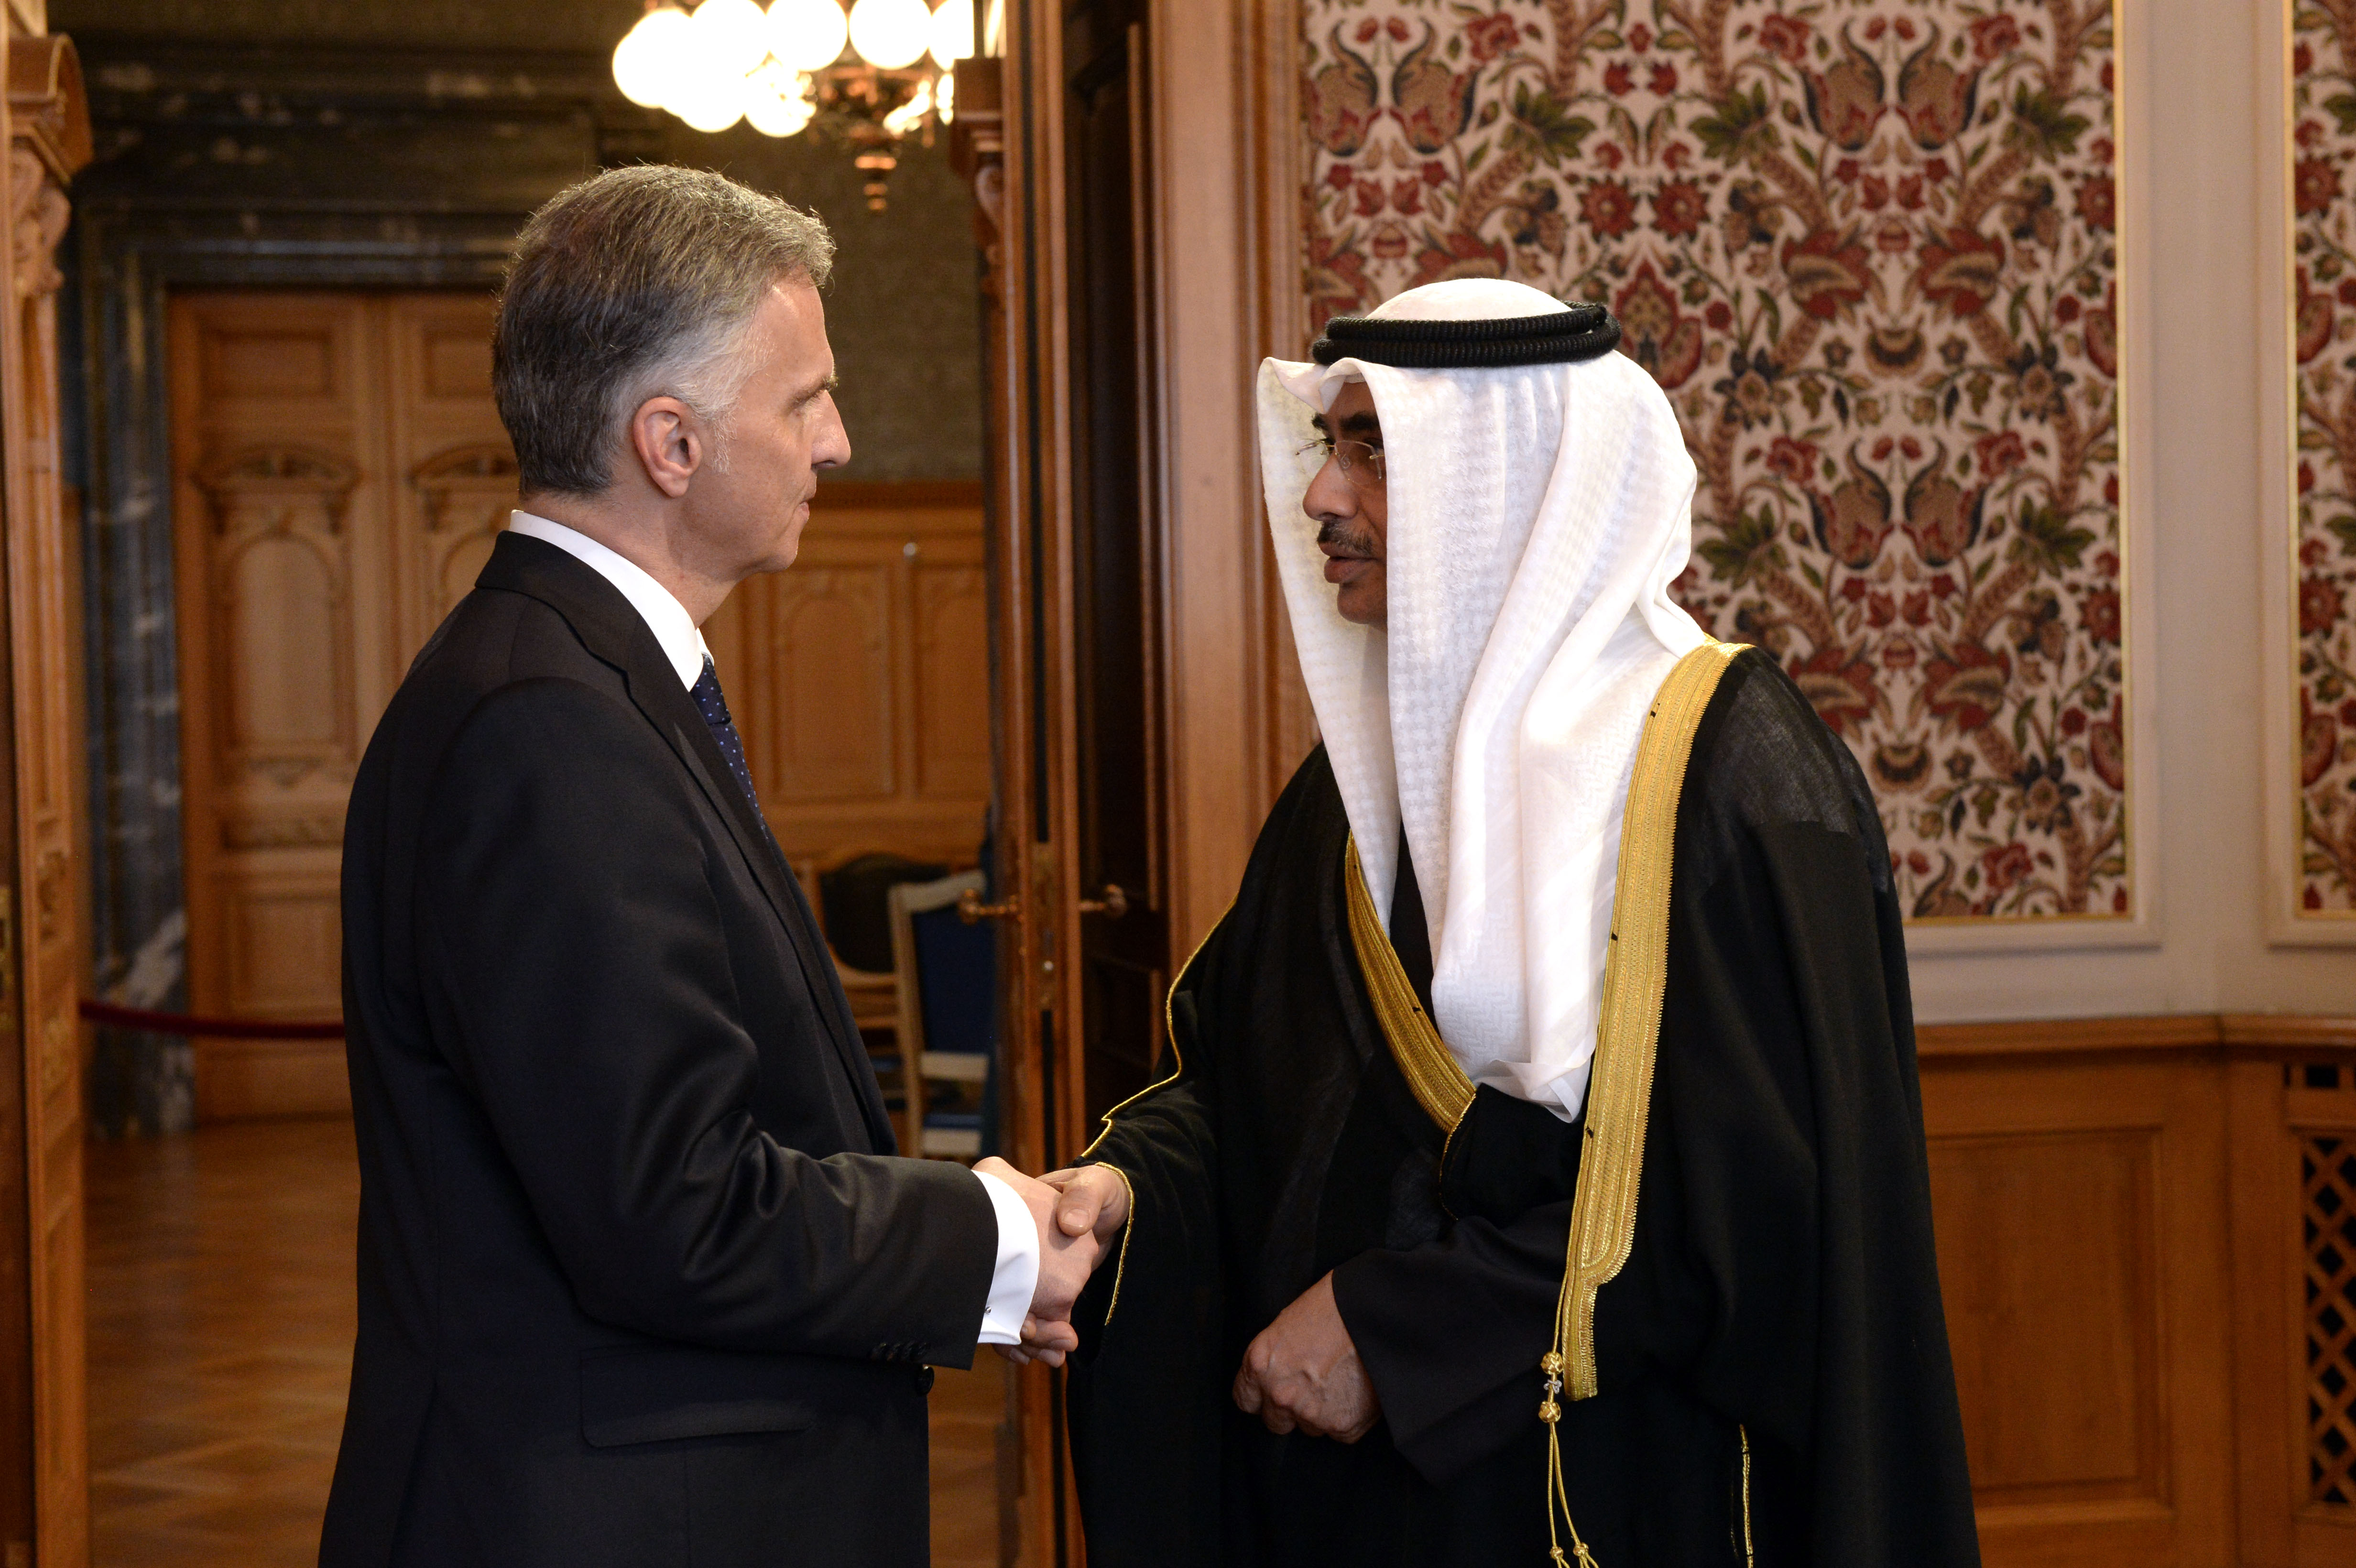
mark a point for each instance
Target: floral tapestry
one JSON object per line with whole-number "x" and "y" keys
{"x": 2323, "y": 111}
{"x": 1868, "y": 248}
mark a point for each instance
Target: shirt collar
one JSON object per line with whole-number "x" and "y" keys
{"x": 665, "y": 616}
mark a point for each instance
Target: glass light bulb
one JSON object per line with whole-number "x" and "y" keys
{"x": 890, "y": 34}
{"x": 778, "y": 102}
{"x": 708, "y": 98}
{"x": 649, "y": 55}
{"x": 903, "y": 120}
{"x": 731, "y": 34}
{"x": 952, "y": 32}
{"x": 808, "y": 35}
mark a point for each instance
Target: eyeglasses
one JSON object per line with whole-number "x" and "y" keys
{"x": 1361, "y": 463}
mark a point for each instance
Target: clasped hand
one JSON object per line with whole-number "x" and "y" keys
{"x": 1301, "y": 1373}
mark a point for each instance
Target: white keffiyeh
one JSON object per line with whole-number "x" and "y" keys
{"x": 1538, "y": 517}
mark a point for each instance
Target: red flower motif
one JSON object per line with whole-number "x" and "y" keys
{"x": 1909, "y": 193}
{"x": 2315, "y": 185}
{"x": 2302, "y": 59}
{"x": 2073, "y": 722}
{"x": 2319, "y": 744}
{"x": 1663, "y": 78}
{"x": 1784, "y": 36}
{"x": 1795, "y": 461}
{"x": 2316, "y": 321}
{"x": 1369, "y": 198}
{"x": 2107, "y": 752}
{"x": 1855, "y": 589}
{"x": 1881, "y": 610}
{"x": 1942, "y": 586}
{"x": 1640, "y": 37}
{"x": 2348, "y": 711}
{"x": 2100, "y": 615}
{"x": 1397, "y": 30}
{"x": 1337, "y": 279}
{"x": 1676, "y": 158}
{"x": 1489, "y": 37}
{"x": 1678, "y": 208}
{"x": 1461, "y": 256}
{"x": 1995, "y": 35}
{"x": 2102, "y": 337}
{"x": 1653, "y": 332}
{"x": 2320, "y": 605}
{"x": 1341, "y": 176}
{"x": 2065, "y": 309}
{"x": 1999, "y": 454}
{"x": 1718, "y": 316}
{"x": 2098, "y": 202}
{"x": 1609, "y": 155}
{"x": 1434, "y": 172}
{"x": 1829, "y": 273}
{"x": 1917, "y": 609}
{"x": 1618, "y": 79}
{"x": 2004, "y": 866}
{"x": 1874, "y": 193}
{"x": 1961, "y": 271}
{"x": 1608, "y": 208}
{"x": 1966, "y": 685}
{"x": 1367, "y": 29}
{"x": 1407, "y": 197}
{"x": 1838, "y": 684}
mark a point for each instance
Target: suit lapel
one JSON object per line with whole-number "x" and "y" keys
{"x": 612, "y": 630}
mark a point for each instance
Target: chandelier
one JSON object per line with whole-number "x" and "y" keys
{"x": 870, "y": 80}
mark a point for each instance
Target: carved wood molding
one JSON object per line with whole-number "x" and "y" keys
{"x": 48, "y": 111}
{"x": 482, "y": 473}
{"x": 265, "y": 496}
{"x": 2268, "y": 1035}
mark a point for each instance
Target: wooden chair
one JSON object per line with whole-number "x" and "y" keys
{"x": 874, "y": 996}
{"x": 925, "y": 1131}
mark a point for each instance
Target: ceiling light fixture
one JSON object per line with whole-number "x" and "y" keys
{"x": 871, "y": 78}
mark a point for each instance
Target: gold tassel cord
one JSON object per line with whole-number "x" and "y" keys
{"x": 1627, "y": 1036}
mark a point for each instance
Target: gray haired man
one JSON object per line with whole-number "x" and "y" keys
{"x": 640, "y": 1281}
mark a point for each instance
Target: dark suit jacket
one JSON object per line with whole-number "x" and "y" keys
{"x": 638, "y": 1283}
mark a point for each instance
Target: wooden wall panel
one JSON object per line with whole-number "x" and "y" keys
{"x": 861, "y": 678}
{"x": 2082, "y": 1250}
{"x": 343, "y": 476}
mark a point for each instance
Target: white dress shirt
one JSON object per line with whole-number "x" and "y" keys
{"x": 1017, "y": 1272}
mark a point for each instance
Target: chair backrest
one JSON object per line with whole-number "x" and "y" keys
{"x": 854, "y": 901}
{"x": 936, "y": 969}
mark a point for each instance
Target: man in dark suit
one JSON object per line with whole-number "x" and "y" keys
{"x": 640, "y": 1281}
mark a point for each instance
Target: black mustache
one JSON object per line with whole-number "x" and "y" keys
{"x": 1356, "y": 541}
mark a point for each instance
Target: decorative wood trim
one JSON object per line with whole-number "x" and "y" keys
{"x": 2270, "y": 1035}
{"x": 895, "y": 495}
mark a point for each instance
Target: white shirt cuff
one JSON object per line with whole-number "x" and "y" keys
{"x": 1017, "y": 1274}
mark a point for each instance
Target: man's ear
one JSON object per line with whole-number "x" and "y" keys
{"x": 668, "y": 442}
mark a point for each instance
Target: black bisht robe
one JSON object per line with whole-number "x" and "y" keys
{"x": 1773, "y": 1379}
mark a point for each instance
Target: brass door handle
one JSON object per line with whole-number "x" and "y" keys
{"x": 1112, "y": 905}
{"x": 972, "y": 910}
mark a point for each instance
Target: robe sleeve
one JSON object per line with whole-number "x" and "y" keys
{"x": 1783, "y": 1275}
{"x": 1151, "y": 1328}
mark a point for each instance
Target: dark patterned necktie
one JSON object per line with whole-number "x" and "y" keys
{"x": 714, "y": 709}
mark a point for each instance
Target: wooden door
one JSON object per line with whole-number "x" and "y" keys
{"x": 1054, "y": 137}
{"x": 49, "y": 139}
{"x": 340, "y": 472}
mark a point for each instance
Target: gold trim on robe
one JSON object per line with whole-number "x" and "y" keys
{"x": 1430, "y": 1069}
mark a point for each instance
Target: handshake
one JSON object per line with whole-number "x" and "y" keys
{"x": 1301, "y": 1373}
{"x": 1078, "y": 1213}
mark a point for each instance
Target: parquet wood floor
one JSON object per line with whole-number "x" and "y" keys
{"x": 220, "y": 1333}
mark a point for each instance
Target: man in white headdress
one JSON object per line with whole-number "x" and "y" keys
{"x": 1538, "y": 1164}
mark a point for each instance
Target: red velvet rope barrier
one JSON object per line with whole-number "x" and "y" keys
{"x": 116, "y": 1017}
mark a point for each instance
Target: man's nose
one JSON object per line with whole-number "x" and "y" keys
{"x": 1329, "y": 495}
{"x": 832, "y": 447}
